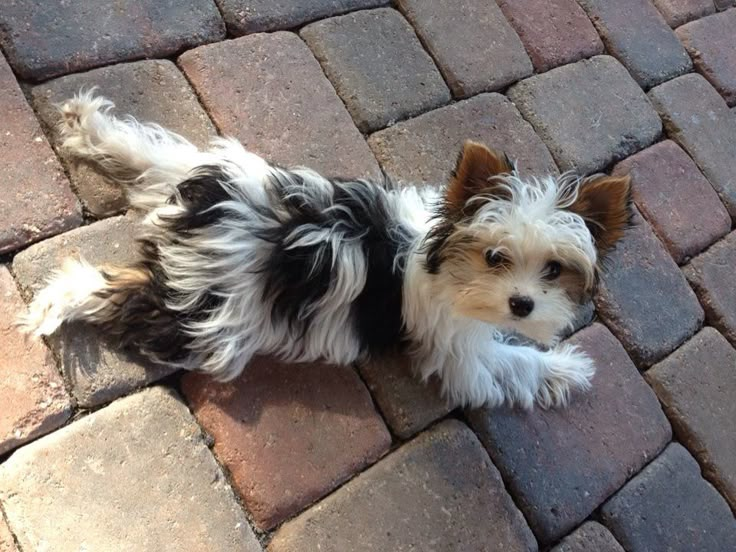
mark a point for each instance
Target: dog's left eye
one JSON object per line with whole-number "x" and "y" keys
{"x": 552, "y": 270}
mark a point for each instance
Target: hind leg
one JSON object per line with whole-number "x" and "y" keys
{"x": 149, "y": 160}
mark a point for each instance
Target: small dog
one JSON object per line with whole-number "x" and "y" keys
{"x": 240, "y": 256}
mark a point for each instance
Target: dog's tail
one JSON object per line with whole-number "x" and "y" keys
{"x": 123, "y": 302}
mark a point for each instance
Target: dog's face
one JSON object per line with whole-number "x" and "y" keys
{"x": 522, "y": 254}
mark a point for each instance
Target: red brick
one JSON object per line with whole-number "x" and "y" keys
{"x": 268, "y": 91}
{"x": 473, "y": 44}
{"x": 46, "y": 39}
{"x": 696, "y": 117}
{"x": 554, "y": 32}
{"x": 668, "y": 506}
{"x": 7, "y": 543}
{"x": 710, "y": 43}
{"x": 631, "y": 294}
{"x": 678, "y": 12}
{"x": 425, "y": 149}
{"x": 288, "y": 434}
{"x": 152, "y": 91}
{"x": 32, "y": 393}
{"x": 672, "y": 194}
{"x": 589, "y": 537}
{"x": 696, "y": 385}
{"x": 437, "y": 493}
{"x": 377, "y": 65}
{"x": 408, "y": 404}
{"x": 97, "y": 373}
{"x": 36, "y": 201}
{"x": 711, "y": 275}
{"x": 255, "y": 16}
{"x": 560, "y": 464}
{"x": 635, "y": 33}
{"x": 589, "y": 113}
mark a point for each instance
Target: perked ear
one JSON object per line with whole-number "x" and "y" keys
{"x": 605, "y": 204}
{"x": 473, "y": 174}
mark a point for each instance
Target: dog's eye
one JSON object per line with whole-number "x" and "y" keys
{"x": 494, "y": 258}
{"x": 552, "y": 270}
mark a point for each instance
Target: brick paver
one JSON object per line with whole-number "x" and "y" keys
{"x": 254, "y": 16}
{"x": 81, "y": 487}
{"x": 696, "y": 384}
{"x": 288, "y": 434}
{"x": 377, "y": 65}
{"x": 724, "y": 4}
{"x": 710, "y": 43}
{"x": 589, "y": 113}
{"x": 438, "y": 493}
{"x": 45, "y": 39}
{"x": 668, "y": 506}
{"x": 269, "y": 92}
{"x": 673, "y": 195}
{"x": 96, "y": 372}
{"x": 630, "y": 296}
{"x": 554, "y": 32}
{"x": 36, "y": 200}
{"x": 34, "y": 400}
{"x": 561, "y": 464}
{"x": 474, "y": 46}
{"x": 697, "y": 118}
{"x": 425, "y": 149}
{"x": 152, "y": 91}
{"x": 678, "y": 12}
{"x": 589, "y": 537}
{"x": 635, "y": 33}
{"x": 711, "y": 275}
{"x": 407, "y": 404}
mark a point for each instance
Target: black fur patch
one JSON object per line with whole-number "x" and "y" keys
{"x": 200, "y": 194}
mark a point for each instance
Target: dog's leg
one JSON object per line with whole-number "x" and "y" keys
{"x": 146, "y": 158}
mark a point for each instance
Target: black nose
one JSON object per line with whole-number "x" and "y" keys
{"x": 521, "y": 306}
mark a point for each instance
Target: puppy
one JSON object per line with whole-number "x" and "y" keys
{"x": 240, "y": 256}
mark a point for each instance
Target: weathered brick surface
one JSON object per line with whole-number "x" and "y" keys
{"x": 473, "y": 44}
{"x": 7, "y": 544}
{"x": 408, "y": 404}
{"x": 377, "y": 65}
{"x": 668, "y": 506}
{"x": 589, "y": 537}
{"x": 724, "y": 4}
{"x": 425, "y": 149}
{"x": 696, "y": 384}
{"x": 254, "y": 16}
{"x": 635, "y": 33}
{"x": 45, "y": 39}
{"x": 438, "y": 493}
{"x": 710, "y": 43}
{"x": 36, "y": 200}
{"x": 561, "y": 464}
{"x": 96, "y": 372}
{"x": 673, "y": 195}
{"x": 151, "y": 91}
{"x": 34, "y": 400}
{"x": 136, "y": 475}
{"x": 288, "y": 434}
{"x": 697, "y": 118}
{"x": 631, "y": 295}
{"x": 711, "y": 275}
{"x": 678, "y": 12}
{"x": 268, "y": 91}
{"x": 554, "y": 32}
{"x": 589, "y": 113}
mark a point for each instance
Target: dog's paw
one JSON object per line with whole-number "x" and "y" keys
{"x": 569, "y": 369}
{"x": 80, "y": 119}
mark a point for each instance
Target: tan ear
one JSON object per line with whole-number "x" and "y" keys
{"x": 473, "y": 174}
{"x": 605, "y": 204}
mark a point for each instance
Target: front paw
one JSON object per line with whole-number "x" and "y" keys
{"x": 568, "y": 369}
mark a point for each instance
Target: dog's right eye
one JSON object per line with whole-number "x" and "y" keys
{"x": 494, "y": 258}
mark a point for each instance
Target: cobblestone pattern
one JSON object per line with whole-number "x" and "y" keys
{"x": 367, "y": 458}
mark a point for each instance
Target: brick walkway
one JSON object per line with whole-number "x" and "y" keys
{"x": 345, "y": 459}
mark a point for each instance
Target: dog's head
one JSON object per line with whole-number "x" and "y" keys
{"x": 522, "y": 253}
